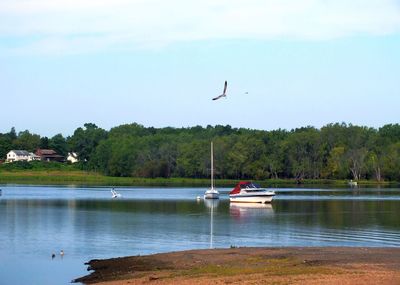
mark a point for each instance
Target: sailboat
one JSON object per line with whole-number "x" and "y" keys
{"x": 212, "y": 193}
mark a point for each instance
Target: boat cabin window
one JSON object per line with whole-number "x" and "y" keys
{"x": 250, "y": 185}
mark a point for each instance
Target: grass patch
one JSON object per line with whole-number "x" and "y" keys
{"x": 78, "y": 177}
{"x": 270, "y": 267}
{"x": 71, "y": 176}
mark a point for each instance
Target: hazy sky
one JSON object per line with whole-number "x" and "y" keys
{"x": 158, "y": 63}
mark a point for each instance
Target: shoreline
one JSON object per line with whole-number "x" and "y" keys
{"x": 252, "y": 265}
{"x": 83, "y": 178}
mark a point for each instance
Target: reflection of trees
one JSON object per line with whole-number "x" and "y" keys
{"x": 341, "y": 213}
{"x": 143, "y": 206}
{"x": 328, "y": 213}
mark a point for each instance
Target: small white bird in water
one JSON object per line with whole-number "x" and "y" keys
{"x": 114, "y": 194}
{"x": 223, "y": 93}
{"x": 62, "y": 253}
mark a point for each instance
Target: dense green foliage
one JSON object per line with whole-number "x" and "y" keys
{"x": 336, "y": 151}
{"x": 39, "y": 165}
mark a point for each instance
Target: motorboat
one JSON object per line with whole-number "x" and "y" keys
{"x": 114, "y": 194}
{"x": 248, "y": 192}
{"x": 212, "y": 193}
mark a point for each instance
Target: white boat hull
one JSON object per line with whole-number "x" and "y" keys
{"x": 211, "y": 195}
{"x": 251, "y": 198}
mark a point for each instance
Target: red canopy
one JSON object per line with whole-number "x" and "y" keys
{"x": 237, "y": 187}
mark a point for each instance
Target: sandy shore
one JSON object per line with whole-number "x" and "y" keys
{"x": 305, "y": 265}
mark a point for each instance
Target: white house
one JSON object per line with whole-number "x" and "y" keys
{"x": 33, "y": 156}
{"x": 72, "y": 157}
{"x": 17, "y": 155}
{"x": 21, "y": 155}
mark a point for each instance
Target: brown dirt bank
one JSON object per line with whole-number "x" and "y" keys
{"x": 300, "y": 265}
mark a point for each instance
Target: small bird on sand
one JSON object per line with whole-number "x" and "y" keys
{"x": 223, "y": 93}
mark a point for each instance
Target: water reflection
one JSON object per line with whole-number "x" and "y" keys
{"x": 87, "y": 223}
{"x": 211, "y": 204}
{"x": 243, "y": 210}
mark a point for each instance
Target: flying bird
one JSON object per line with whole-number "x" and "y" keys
{"x": 223, "y": 93}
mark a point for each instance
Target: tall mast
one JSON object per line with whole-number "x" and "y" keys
{"x": 212, "y": 167}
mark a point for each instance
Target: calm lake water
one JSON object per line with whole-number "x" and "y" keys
{"x": 36, "y": 221}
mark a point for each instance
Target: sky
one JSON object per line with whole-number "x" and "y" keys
{"x": 288, "y": 63}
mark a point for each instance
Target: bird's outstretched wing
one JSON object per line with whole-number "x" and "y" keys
{"x": 216, "y": 98}
{"x": 224, "y": 93}
{"x": 225, "y": 86}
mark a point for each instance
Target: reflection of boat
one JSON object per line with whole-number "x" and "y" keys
{"x": 251, "y": 206}
{"x": 240, "y": 210}
{"x": 212, "y": 193}
{"x": 115, "y": 194}
{"x": 211, "y": 204}
{"x": 248, "y": 192}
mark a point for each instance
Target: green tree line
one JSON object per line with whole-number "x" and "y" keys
{"x": 336, "y": 151}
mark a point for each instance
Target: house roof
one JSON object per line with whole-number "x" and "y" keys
{"x": 45, "y": 152}
{"x": 20, "y": 152}
{"x": 52, "y": 156}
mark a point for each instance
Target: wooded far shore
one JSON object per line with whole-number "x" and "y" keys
{"x": 337, "y": 151}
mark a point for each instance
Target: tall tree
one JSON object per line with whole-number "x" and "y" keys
{"x": 5, "y": 145}
{"x": 336, "y": 164}
{"x": 357, "y": 162}
{"x": 27, "y": 141}
{"x": 85, "y": 140}
{"x": 392, "y": 162}
{"x": 44, "y": 143}
{"x": 59, "y": 144}
{"x": 12, "y": 134}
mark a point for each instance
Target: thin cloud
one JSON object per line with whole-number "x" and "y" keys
{"x": 89, "y": 25}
